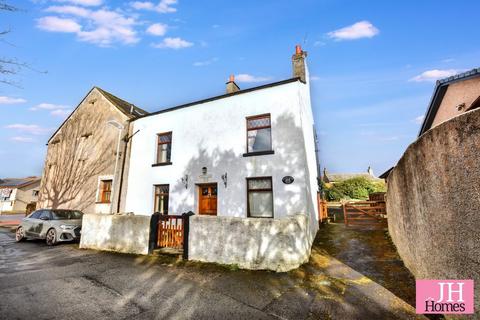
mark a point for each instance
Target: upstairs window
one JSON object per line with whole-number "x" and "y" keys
{"x": 105, "y": 191}
{"x": 260, "y": 197}
{"x": 259, "y": 133}
{"x": 161, "y": 198}
{"x": 164, "y": 148}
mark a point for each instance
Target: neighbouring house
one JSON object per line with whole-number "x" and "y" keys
{"x": 16, "y": 194}
{"x": 244, "y": 162}
{"x": 338, "y": 177}
{"x": 87, "y": 156}
{"x": 452, "y": 96}
{"x": 433, "y": 191}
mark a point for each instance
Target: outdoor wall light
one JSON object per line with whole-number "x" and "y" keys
{"x": 224, "y": 179}
{"x": 204, "y": 170}
{"x": 185, "y": 181}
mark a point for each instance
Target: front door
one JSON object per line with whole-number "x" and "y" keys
{"x": 207, "y": 203}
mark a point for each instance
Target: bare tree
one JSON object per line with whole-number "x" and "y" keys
{"x": 10, "y": 66}
{"x": 77, "y": 155}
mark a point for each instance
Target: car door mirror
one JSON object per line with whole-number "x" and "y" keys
{"x": 44, "y": 218}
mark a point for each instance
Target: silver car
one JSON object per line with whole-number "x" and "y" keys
{"x": 53, "y": 225}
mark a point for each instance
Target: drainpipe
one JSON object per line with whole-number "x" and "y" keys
{"x": 126, "y": 140}
{"x": 119, "y": 127}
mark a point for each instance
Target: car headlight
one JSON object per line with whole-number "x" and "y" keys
{"x": 67, "y": 227}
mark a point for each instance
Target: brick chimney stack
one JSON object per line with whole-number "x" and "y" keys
{"x": 231, "y": 85}
{"x": 299, "y": 64}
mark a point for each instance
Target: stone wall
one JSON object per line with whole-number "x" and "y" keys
{"x": 82, "y": 151}
{"x": 251, "y": 243}
{"x": 120, "y": 233}
{"x": 433, "y": 202}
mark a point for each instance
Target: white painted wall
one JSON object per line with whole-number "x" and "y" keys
{"x": 213, "y": 135}
{"x": 119, "y": 233}
{"x": 279, "y": 244}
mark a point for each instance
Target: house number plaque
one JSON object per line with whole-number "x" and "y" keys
{"x": 287, "y": 179}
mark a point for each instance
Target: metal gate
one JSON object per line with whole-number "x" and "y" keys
{"x": 365, "y": 213}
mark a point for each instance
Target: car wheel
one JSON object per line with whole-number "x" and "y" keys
{"x": 19, "y": 234}
{"x": 51, "y": 237}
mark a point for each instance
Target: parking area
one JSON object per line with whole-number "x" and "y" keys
{"x": 65, "y": 282}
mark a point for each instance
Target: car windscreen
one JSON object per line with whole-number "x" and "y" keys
{"x": 66, "y": 215}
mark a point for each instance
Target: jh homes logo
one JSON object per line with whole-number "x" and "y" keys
{"x": 444, "y": 296}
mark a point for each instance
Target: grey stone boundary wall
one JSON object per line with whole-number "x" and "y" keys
{"x": 119, "y": 233}
{"x": 251, "y": 243}
{"x": 433, "y": 203}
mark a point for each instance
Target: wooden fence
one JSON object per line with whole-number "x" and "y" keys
{"x": 366, "y": 213}
{"x": 322, "y": 209}
{"x": 170, "y": 232}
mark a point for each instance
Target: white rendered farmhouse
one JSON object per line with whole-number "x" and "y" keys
{"x": 246, "y": 157}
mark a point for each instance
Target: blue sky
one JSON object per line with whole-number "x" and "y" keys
{"x": 373, "y": 64}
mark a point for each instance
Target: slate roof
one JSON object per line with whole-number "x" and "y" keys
{"x": 17, "y": 182}
{"x": 226, "y": 95}
{"x": 334, "y": 177}
{"x": 438, "y": 94}
{"x": 126, "y": 107}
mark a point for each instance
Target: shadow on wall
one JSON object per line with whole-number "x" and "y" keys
{"x": 119, "y": 233}
{"x": 76, "y": 156}
{"x": 280, "y": 244}
{"x": 273, "y": 244}
{"x": 433, "y": 200}
{"x": 289, "y": 159}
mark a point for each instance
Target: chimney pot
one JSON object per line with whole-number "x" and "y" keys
{"x": 231, "y": 85}
{"x": 298, "y": 49}
{"x": 299, "y": 64}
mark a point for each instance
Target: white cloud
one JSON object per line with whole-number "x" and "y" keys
{"x": 22, "y": 139}
{"x": 164, "y": 6}
{"x": 56, "y": 24}
{"x": 101, "y": 27}
{"x": 314, "y": 78}
{"x": 61, "y": 112}
{"x": 49, "y": 106}
{"x": 318, "y": 43}
{"x": 391, "y": 138}
{"x": 57, "y": 110}
{"x": 157, "y": 29}
{"x": 173, "y": 43}
{"x": 28, "y": 128}
{"x": 435, "y": 74}
{"x": 244, "y": 77}
{"x": 73, "y": 10}
{"x": 362, "y": 29}
{"x": 10, "y": 100}
{"x": 419, "y": 119}
{"x": 205, "y": 62}
{"x": 83, "y": 2}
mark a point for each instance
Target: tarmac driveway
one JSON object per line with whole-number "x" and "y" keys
{"x": 64, "y": 282}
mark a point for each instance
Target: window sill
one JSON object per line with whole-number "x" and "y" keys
{"x": 258, "y": 153}
{"x": 161, "y": 164}
{"x": 253, "y": 217}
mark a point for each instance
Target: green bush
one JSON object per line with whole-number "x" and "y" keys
{"x": 355, "y": 188}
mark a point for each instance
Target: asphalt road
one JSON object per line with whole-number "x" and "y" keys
{"x": 64, "y": 282}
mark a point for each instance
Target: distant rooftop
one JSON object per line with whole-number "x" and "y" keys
{"x": 17, "y": 182}
{"x": 337, "y": 177}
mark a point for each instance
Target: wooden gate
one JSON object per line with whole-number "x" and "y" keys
{"x": 365, "y": 213}
{"x": 322, "y": 209}
{"x": 171, "y": 232}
